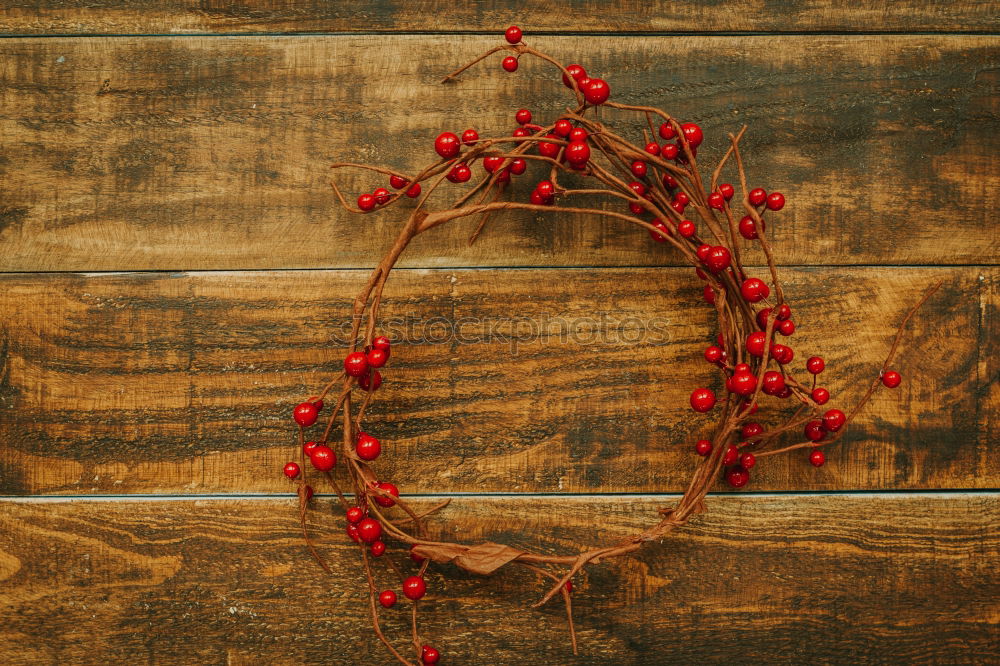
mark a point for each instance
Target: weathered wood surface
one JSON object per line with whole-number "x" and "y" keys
{"x": 254, "y": 16}
{"x": 211, "y": 153}
{"x": 184, "y": 383}
{"x": 819, "y": 579}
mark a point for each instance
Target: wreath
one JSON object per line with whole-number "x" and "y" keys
{"x": 655, "y": 185}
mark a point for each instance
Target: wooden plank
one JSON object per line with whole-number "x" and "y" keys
{"x": 210, "y": 153}
{"x": 793, "y": 579}
{"x": 184, "y": 383}
{"x": 256, "y": 16}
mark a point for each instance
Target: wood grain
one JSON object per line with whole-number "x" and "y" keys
{"x": 184, "y": 383}
{"x": 789, "y": 579}
{"x": 213, "y": 153}
{"x": 255, "y": 16}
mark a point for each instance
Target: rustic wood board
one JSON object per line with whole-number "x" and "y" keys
{"x": 254, "y": 16}
{"x": 212, "y": 153}
{"x": 790, "y": 579}
{"x": 140, "y": 383}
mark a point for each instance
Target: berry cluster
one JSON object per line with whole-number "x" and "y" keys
{"x": 657, "y": 186}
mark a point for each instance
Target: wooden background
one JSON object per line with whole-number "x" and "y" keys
{"x": 174, "y": 269}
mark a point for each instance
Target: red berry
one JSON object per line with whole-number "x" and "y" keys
{"x": 369, "y": 530}
{"x": 815, "y": 365}
{"x": 352, "y": 531}
{"x": 460, "y": 173}
{"x": 669, "y": 152}
{"x": 747, "y": 228}
{"x": 682, "y": 198}
{"x": 703, "y": 252}
{"x": 291, "y": 470}
{"x": 509, "y": 63}
{"x": 667, "y": 131}
{"x": 569, "y": 586}
{"x": 740, "y": 368}
{"x": 775, "y": 201}
{"x": 387, "y": 598}
{"x": 518, "y": 166}
{"x": 742, "y": 383}
{"x": 755, "y": 344}
{"x": 470, "y": 137}
{"x": 757, "y": 196}
{"x": 702, "y": 400}
{"x": 547, "y": 148}
{"x": 323, "y": 458}
{"x": 687, "y": 228}
{"x": 577, "y": 152}
{"x": 414, "y": 191}
{"x": 562, "y": 128}
{"x": 308, "y": 492}
{"x": 414, "y": 587}
{"x": 447, "y": 145}
{"x": 784, "y": 312}
{"x": 397, "y": 183}
{"x": 772, "y": 383}
{"x": 748, "y": 460}
{"x": 834, "y": 420}
{"x": 545, "y": 188}
{"x": 377, "y": 548}
{"x": 355, "y": 514}
{"x": 755, "y": 290}
{"x": 429, "y": 655}
{"x": 578, "y": 134}
{"x": 389, "y": 488}
{"x": 817, "y": 458}
{"x": 747, "y": 408}
{"x": 660, "y": 235}
{"x": 381, "y": 342}
{"x": 492, "y": 163}
{"x": 713, "y": 354}
{"x": 693, "y": 134}
{"x": 305, "y": 414}
{"x": 762, "y": 317}
{"x": 356, "y": 364}
{"x": 309, "y": 447}
{"x": 737, "y": 476}
{"x": 703, "y": 447}
{"x": 727, "y": 191}
{"x": 370, "y": 382}
{"x": 653, "y": 148}
{"x": 513, "y": 34}
{"x": 752, "y": 430}
{"x": 366, "y": 202}
{"x": 815, "y": 431}
{"x": 597, "y": 92}
{"x": 639, "y": 169}
{"x": 708, "y": 294}
{"x": 891, "y": 378}
{"x": 786, "y": 327}
{"x": 381, "y": 196}
{"x": 368, "y": 447}
{"x": 376, "y": 358}
{"x": 523, "y": 116}
{"x": 730, "y": 456}
{"x": 577, "y": 72}
{"x": 782, "y": 353}
{"x": 718, "y": 259}
{"x": 716, "y": 200}
{"x": 820, "y": 395}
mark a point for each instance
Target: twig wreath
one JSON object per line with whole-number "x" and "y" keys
{"x": 662, "y": 192}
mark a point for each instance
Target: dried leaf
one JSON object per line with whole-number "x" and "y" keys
{"x": 483, "y": 559}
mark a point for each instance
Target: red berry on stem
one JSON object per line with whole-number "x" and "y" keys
{"x": 309, "y": 447}
{"x": 702, "y": 400}
{"x": 545, "y": 188}
{"x": 786, "y": 327}
{"x": 523, "y": 116}
{"x": 305, "y": 414}
{"x": 703, "y": 447}
{"x": 708, "y": 294}
{"x": 718, "y": 259}
{"x": 352, "y": 531}
{"x": 747, "y": 228}
{"x": 578, "y": 134}
{"x": 815, "y": 431}
{"x": 562, "y": 128}
{"x": 817, "y": 458}
{"x": 513, "y": 34}
{"x": 693, "y": 134}
{"x": 669, "y": 152}
{"x": 742, "y": 383}
{"x": 492, "y": 163}
{"x": 716, "y": 201}
{"x": 577, "y": 72}
{"x": 834, "y": 420}
{"x": 387, "y": 598}
{"x": 667, "y": 131}
{"x": 784, "y": 312}
{"x": 368, "y": 447}
{"x": 389, "y": 488}
{"x": 577, "y": 152}
{"x": 470, "y": 137}
{"x": 775, "y": 201}
{"x": 653, "y": 148}
{"x": 429, "y": 655}
{"x": 376, "y": 358}
{"x": 414, "y": 587}
{"x": 597, "y": 92}
{"x": 639, "y": 169}
{"x": 682, "y": 198}
{"x": 355, "y": 514}
{"x": 447, "y": 145}
{"x": 323, "y": 458}
{"x": 713, "y": 354}
{"x": 518, "y": 166}
{"x": 291, "y": 470}
{"x": 703, "y": 251}
{"x": 891, "y": 378}
{"x": 815, "y": 365}
{"x": 356, "y": 364}
{"x": 730, "y": 456}
{"x": 397, "y": 182}
{"x": 547, "y": 148}
{"x": 377, "y": 548}
{"x": 820, "y": 395}
{"x": 755, "y": 344}
{"x": 757, "y": 196}
{"x": 366, "y": 202}
{"x": 381, "y": 196}
{"x": 755, "y": 290}
{"x": 737, "y": 476}
{"x": 727, "y": 191}
{"x": 662, "y": 231}
{"x": 772, "y": 383}
{"x": 414, "y": 191}
{"x": 748, "y": 460}
{"x": 369, "y": 530}
{"x": 509, "y": 63}
{"x": 752, "y": 430}
{"x": 687, "y": 228}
